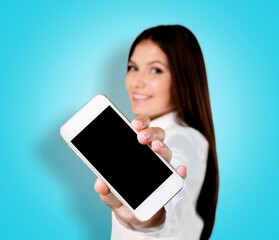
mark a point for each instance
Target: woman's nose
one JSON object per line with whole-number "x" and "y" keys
{"x": 139, "y": 80}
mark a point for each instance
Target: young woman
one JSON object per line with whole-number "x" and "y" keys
{"x": 168, "y": 90}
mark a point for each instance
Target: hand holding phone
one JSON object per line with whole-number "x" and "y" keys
{"x": 156, "y": 138}
{"x": 142, "y": 180}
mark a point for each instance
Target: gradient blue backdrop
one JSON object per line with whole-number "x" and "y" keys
{"x": 55, "y": 55}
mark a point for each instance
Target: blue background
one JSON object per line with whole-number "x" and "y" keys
{"x": 55, "y": 55}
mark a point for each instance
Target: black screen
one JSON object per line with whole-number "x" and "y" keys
{"x": 113, "y": 149}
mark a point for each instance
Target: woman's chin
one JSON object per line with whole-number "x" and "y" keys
{"x": 139, "y": 111}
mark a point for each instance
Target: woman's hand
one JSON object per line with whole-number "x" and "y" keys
{"x": 146, "y": 135}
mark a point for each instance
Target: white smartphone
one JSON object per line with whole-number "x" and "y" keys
{"x": 107, "y": 143}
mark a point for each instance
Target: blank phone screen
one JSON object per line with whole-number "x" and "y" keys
{"x": 131, "y": 168}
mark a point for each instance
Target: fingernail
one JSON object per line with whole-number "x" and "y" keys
{"x": 139, "y": 123}
{"x": 162, "y": 145}
{"x": 145, "y": 135}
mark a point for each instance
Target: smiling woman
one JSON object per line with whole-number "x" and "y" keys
{"x": 167, "y": 87}
{"x": 148, "y": 80}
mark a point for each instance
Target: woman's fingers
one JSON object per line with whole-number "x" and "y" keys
{"x": 141, "y": 122}
{"x": 106, "y": 195}
{"x": 182, "y": 171}
{"x": 165, "y": 152}
{"x": 146, "y": 136}
{"x": 160, "y": 148}
{"x": 101, "y": 187}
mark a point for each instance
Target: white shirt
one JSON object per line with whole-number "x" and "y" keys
{"x": 189, "y": 148}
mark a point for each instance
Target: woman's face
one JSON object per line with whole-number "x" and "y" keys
{"x": 148, "y": 80}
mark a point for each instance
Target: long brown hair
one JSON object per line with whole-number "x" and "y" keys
{"x": 191, "y": 100}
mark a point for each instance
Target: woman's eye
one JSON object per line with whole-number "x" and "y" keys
{"x": 156, "y": 70}
{"x": 131, "y": 68}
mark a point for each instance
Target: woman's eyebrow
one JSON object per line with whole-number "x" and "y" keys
{"x": 156, "y": 61}
{"x": 150, "y": 62}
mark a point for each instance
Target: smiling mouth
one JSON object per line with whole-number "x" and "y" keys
{"x": 140, "y": 97}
